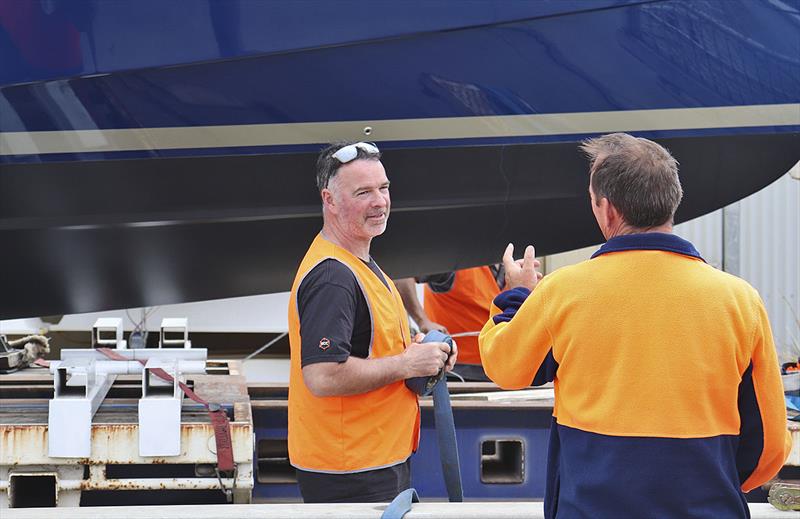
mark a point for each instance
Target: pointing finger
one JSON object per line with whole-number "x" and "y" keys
{"x": 528, "y": 260}
{"x": 508, "y": 255}
{"x": 530, "y": 252}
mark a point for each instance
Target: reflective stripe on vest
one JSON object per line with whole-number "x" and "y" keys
{"x": 464, "y": 308}
{"x": 359, "y": 432}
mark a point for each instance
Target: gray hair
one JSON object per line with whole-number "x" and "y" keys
{"x": 327, "y": 166}
{"x": 638, "y": 177}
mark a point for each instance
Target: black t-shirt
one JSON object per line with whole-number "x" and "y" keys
{"x": 334, "y": 316}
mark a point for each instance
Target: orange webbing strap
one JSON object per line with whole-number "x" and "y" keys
{"x": 219, "y": 420}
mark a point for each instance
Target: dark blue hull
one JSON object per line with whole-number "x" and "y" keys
{"x": 161, "y": 152}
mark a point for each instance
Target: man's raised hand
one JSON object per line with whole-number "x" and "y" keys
{"x": 521, "y": 272}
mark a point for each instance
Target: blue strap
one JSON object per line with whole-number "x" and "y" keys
{"x": 443, "y": 418}
{"x": 401, "y": 504}
{"x": 446, "y": 438}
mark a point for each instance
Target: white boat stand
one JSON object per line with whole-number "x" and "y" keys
{"x": 82, "y": 379}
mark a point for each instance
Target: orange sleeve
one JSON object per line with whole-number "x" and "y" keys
{"x": 513, "y": 349}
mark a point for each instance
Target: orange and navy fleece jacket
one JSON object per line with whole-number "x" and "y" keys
{"x": 668, "y": 398}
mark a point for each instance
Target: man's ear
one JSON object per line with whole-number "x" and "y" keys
{"x": 606, "y": 214}
{"x": 613, "y": 216}
{"x": 601, "y": 206}
{"x": 327, "y": 199}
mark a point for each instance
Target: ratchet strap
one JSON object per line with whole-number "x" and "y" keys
{"x": 219, "y": 419}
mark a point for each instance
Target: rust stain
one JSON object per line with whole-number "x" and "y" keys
{"x": 112, "y": 484}
{"x": 27, "y": 444}
{"x": 20, "y": 441}
{"x": 89, "y": 461}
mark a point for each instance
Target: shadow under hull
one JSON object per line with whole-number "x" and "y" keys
{"x": 149, "y": 232}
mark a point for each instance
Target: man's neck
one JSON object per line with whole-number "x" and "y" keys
{"x": 625, "y": 229}
{"x": 358, "y": 248}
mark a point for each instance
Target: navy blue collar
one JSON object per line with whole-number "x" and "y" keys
{"x": 649, "y": 241}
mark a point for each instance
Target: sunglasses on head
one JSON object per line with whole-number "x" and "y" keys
{"x": 349, "y": 152}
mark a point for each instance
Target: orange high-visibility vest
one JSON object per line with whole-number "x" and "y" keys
{"x": 464, "y": 308}
{"x": 359, "y": 432}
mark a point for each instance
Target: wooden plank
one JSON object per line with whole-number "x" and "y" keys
{"x": 242, "y": 412}
{"x": 234, "y": 367}
{"x": 222, "y": 389}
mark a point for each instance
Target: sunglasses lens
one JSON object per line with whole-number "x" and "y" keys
{"x": 346, "y": 154}
{"x": 349, "y": 152}
{"x": 368, "y": 147}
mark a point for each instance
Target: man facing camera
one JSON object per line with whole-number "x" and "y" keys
{"x": 353, "y": 424}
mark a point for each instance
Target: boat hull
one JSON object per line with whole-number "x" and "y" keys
{"x": 104, "y": 235}
{"x": 136, "y": 171}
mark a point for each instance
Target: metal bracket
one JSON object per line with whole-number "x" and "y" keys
{"x": 174, "y": 333}
{"x": 10, "y": 358}
{"x": 78, "y": 391}
{"x": 160, "y": 410}
{"x": 227, "y": 491}
{"x": 107, "y": 332}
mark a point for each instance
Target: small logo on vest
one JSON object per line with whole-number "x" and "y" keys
{"x": 324, "y": 344}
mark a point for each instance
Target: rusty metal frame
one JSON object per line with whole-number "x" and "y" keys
{"x": 24, "y": 440}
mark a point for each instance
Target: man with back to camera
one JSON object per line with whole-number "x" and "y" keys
{"x": 353, "y": 424}
{"x": 668, "y": 398}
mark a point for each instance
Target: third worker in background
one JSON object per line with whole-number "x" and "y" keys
{"x": 668, "y": 396}
{"x": 457, "y": 303}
